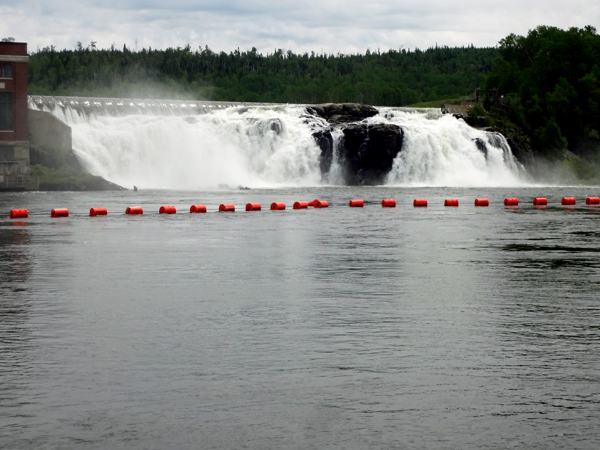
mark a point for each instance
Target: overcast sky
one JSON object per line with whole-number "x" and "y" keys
{"x": 331, "y": 26}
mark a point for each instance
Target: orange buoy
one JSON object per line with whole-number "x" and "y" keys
{"x": 588, "y": 201}
{"x": 277, "y": 206}
{"x": 511, "y": 202}
{"x": 356, "y": 203}
{"x": 59, "y": 212}
{"x": 134, "y": 210}
{"x": 388, "y": 203}
{"x": 19, "y": 214}
{"x": 419, "y": 202}
{"x": 568, "y": 201}
{"x": 482, "y": 202}
{"x": 227, "y": 207}
{"x": 98, "y": 212}
{"x": 300, "y": 205}
{"x": 539, "y": 201}
{"x": 321, "y": 204}
{"x": 451, "y": 202}
{"x": 253, "y": 207}
{"x": 167, "y": 210}
{"x": 312, "y": 202}
{"x": 197, "y": 209}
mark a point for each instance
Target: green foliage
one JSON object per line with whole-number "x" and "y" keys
{"x": 554, "y": 76}
{"x": 589, "y": 172}
{"x": 62, "y": 179}
{"x": 393, "y": 78}
{"x": 476, "y": 111}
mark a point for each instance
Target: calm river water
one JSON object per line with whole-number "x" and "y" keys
{"x": 372, "y": 328}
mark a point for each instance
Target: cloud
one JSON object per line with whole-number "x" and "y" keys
{"x": 331, "y": 26}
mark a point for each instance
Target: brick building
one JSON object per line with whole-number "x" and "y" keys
{"x": 14, "y": 139}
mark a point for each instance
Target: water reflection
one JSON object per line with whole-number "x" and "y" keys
{"x": 15, "y": 260}
{"x": 15, "y": 337}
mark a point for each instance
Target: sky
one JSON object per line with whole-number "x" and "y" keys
{"x": 330, "y": 26}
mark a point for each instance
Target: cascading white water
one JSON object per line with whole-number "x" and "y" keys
{"x": 234, "y": 146}
{"x": 273, "y": 146}
{"x": 335, "y": 175}
{"x": 439, "y": 150}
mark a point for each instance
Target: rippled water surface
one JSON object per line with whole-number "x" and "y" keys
{"x": 420, "y": 328}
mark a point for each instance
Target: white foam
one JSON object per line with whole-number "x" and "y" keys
{"x": 439, "y": 150}
{"x": 271, "y": 147}
{"x": 174, "y": 152}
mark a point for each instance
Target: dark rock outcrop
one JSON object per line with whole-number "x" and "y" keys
{"x": 476, "y": 122}
{"x": 481, "y": 146}
{"x": 369, "y": 151}
{"x": 275, "y": 125}
{"x": 325, "y": 143}
{"x": 343, "y": 112}
{"x": 365, "y": 152}
{"x": 519, "y": 144}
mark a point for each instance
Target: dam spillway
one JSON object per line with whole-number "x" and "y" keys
{"x": 180, "y": 144}
{"x": 132, "y": 106}
{"x": 135, "y": 106}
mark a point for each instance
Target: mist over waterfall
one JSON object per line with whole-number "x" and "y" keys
{"x": 274, "y": 145}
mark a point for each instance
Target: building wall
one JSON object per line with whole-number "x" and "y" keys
{"x": 14, "y": 143}
{"x": 14, "y": 161}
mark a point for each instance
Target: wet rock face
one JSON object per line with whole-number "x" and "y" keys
{"x": 275, "y": 125}
{"x": 519, "y": 144}
{"x": 476, "y": 122}
{"x": 325, "y": 142}
{"x": 343, "y": 112}
{"x": 365, "y": 152}
{"x": 369, "y": 151}
{"x": 481, "y": 146}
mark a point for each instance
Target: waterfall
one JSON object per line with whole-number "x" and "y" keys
{"x": 335, "y": 175}
{"x": 439, "y": 150}
{"x": 178, "y": 146}
{"x": 234, "y": 146}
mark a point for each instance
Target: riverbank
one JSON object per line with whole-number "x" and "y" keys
{"x": 52, "y": 160}
{"x": 51, "y": 179}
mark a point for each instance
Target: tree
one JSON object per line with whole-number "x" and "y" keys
{"x": 556, "y": 76}
{"x": 393, "y": 78}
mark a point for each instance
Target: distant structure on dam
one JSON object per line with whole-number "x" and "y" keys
{"x": 14, "y": 140}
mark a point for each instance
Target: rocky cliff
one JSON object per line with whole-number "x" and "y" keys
{"x": 365, "y": 152}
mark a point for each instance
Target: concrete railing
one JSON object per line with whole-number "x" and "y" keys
{"x": 18, "y": 183}
{"x": 127, "y": 106}
{"x": 158, "y": 107}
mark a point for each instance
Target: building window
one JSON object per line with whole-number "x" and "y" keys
{"x": 6, "y": 70}
{"x": 6, "y": 111}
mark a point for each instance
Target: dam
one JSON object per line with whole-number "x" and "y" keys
{"x": 133, "y": 106}
{"x": 180, "y": 144}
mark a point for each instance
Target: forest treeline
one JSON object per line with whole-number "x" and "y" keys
{"x": 391, "y": 78}
{"x": 554, "y": 78}
{"x": 550, "y": 79}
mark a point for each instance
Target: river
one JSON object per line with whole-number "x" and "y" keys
{"x": 349, "y": 328}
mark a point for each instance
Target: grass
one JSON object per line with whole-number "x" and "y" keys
{"x": 63, "y": 179}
